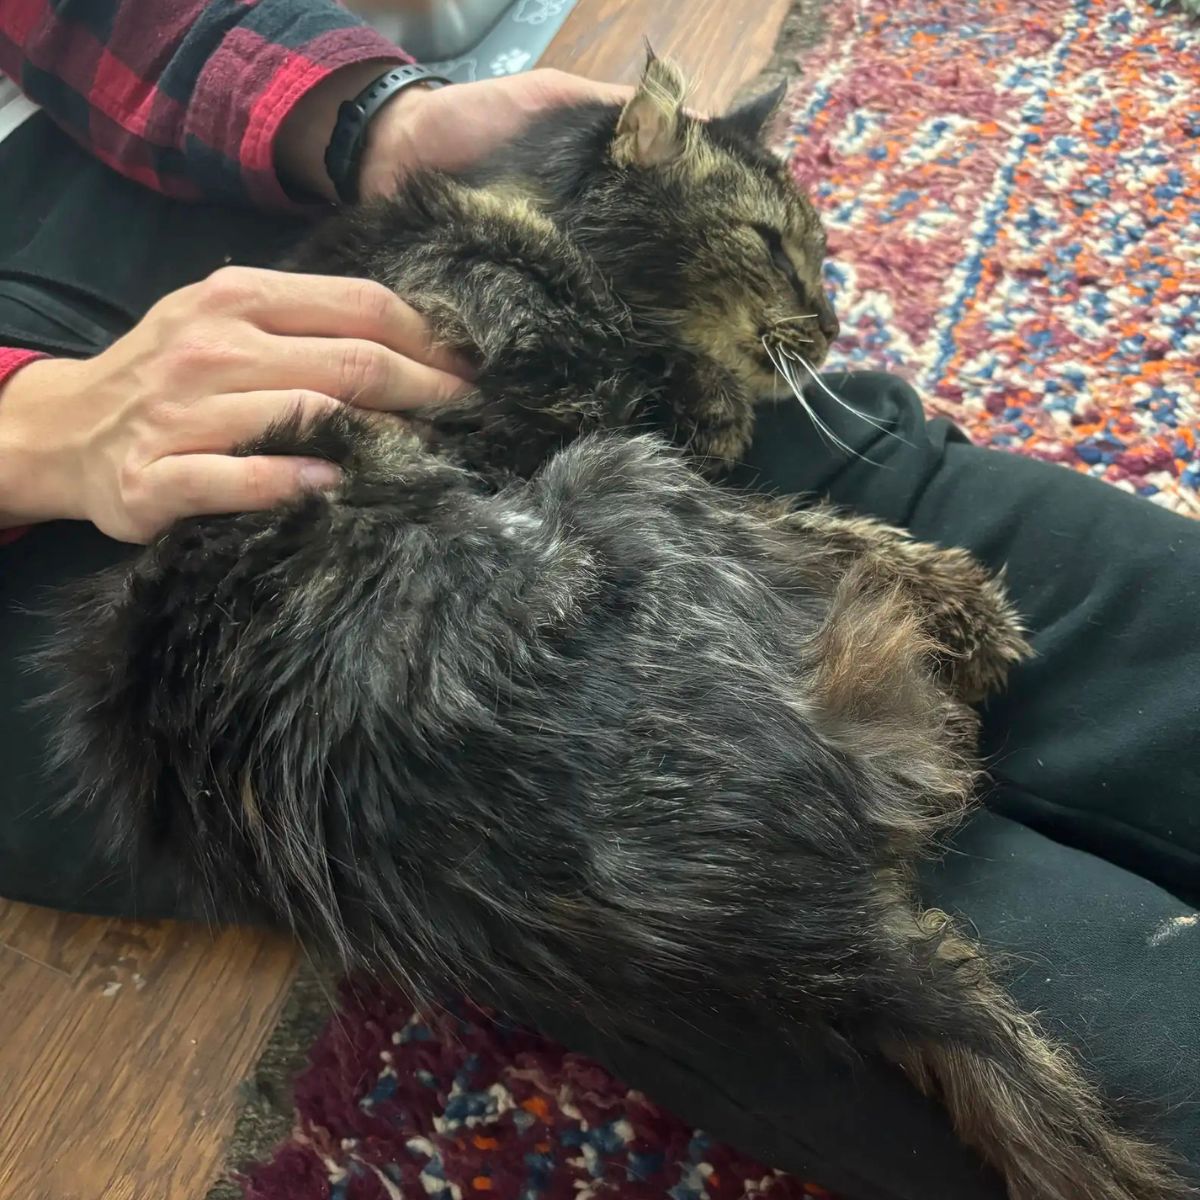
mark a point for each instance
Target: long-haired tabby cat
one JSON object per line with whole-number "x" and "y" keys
{"x": 530, "y": 709}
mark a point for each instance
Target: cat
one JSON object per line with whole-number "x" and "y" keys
{"x": 532, "y": 709}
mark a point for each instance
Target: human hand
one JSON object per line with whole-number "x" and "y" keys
{"x": 444, "y": 128}
{"x": 143, "y": 433}
{"x": 450, "y": 128}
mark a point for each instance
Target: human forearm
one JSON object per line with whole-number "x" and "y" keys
{"x": 306, "y": 130}
{"x": 186, "y": 96}
{"x": 36, "y": 479}
{"x": 11, "y": 361}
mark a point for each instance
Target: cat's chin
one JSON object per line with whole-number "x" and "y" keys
{"x": 765, "y": 381}
{"x": 763, "y": 377}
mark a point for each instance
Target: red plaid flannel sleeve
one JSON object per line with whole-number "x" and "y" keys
{"x": 10, "y": 361}
{"x": 185, "y": 96}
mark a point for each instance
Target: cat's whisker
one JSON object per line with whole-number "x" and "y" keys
{"x": 825, "y": 433}
{"x": 822, "y": 432}
{"x": 798, "y": 390}
{"x": 882, "y": 426}
{"x": 833, "y": 437}
{"x": 789, "y": 375}
{"x": 794, "y": 320}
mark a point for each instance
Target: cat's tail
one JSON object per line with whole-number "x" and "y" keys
{"x": 1011, "y": 1093}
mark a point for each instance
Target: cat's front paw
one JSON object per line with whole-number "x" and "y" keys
{"x": 975, "y": 625}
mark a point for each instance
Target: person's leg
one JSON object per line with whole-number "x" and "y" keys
{"x": 1096, "y": 741}
{"x": 1105, "y": 957}
{"x": 49, "y": 857}
{"x": 1093, "y": 965}
{"x": 59, "y": 295}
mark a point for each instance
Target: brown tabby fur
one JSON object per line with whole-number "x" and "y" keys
{"x": 529, "y": 708}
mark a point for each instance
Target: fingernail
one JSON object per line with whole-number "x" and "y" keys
{"x": 320, "y": 476}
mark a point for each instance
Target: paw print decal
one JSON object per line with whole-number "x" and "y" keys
{"x": 510, "y": 62}
{"x": 537, "y": 12}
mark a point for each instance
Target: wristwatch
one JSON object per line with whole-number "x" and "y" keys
{"x": 344, "y": 152}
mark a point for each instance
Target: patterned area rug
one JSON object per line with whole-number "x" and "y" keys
{"x": 394, "y": 1107}
{"x": 1013, "y": 195}
{"x": 1012, "y": 191}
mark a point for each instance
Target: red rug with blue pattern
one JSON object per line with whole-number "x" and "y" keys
{"x": 1012, "y": 193}
{"x": 467, "y": 1107}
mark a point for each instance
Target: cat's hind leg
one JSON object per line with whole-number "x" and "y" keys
{"x": 976, "y": 632}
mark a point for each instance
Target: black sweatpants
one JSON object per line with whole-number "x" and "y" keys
{"x": 1083, "y": 868}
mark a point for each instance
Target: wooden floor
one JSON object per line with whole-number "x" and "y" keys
{"x": 122, "y": 1045}
{"x": 721, "y": 44}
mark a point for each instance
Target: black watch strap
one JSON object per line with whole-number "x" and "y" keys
{"x": 344, "y": 152}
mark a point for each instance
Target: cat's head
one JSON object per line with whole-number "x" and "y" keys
{"x": 704, "y": 227}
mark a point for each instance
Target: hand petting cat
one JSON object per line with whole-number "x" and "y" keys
{"x": 444, "y": 129}
{"x": 145, "y": 433}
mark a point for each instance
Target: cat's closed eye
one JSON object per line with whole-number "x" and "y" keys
{"x": 773, "y": 241}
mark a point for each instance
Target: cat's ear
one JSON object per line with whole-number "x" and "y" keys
{"x": 751, "y": 119}
{"x": 652, "y": 131}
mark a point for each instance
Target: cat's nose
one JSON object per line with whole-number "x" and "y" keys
{"x": 827, "y": 321}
